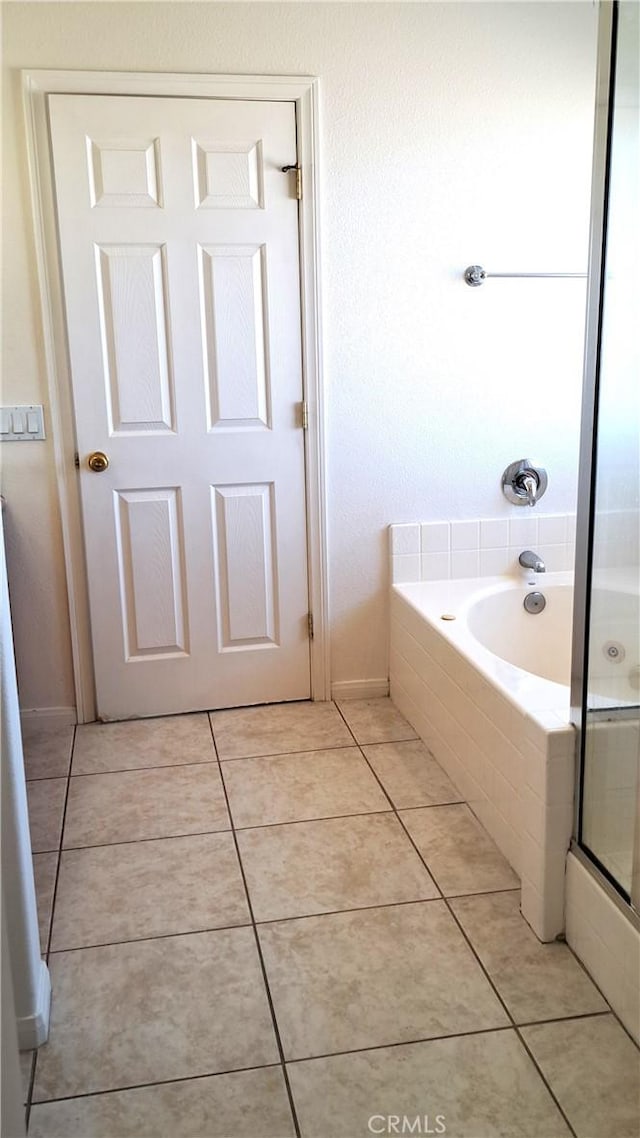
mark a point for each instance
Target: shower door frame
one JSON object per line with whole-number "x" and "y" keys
{"x": 586, "y": 505}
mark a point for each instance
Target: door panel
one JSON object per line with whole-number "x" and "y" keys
{"x": 124, "y": 172}
{"x": 132, "y": 299}
{"x": 179, "y": 248}
{"x": 150, "y": 543}
{"x": 234, "y": 305}
{"x": 228, "y": 176}
{"x": 246, "y": 566}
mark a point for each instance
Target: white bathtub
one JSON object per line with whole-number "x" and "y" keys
{"x": 488, "y": 693}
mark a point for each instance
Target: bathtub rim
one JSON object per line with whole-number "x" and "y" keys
{"x": 543, "y": 700}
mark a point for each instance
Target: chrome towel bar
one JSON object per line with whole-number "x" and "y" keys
{"x": 475, "y": 275}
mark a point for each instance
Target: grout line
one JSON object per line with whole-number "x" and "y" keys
{"x": 400, "y": 1043}
{"x": 61, "y": 838}
{"x": 432, "y": 805}
{"x": 150, "y": 767}
{"x": 228, "y": 830}
{"x": 484, "y": 893}
{"x": 509, "y": 1014}
{"x": 207, "y": 762}
{"x": 290, "y": 754}
{"x": 137, "y": 841}
{"x": 435, "y": 806}
{"x": 265, "y": 977}
{"x": 544, "y": 1079}
{"x": 479, "y": 961}
{"x": 354, "y": 909}
{"x": 47, "y": 947}
{"x": 259, "y": 826}
{"x": 397, "y": 815}
{"x": 158, "y": 1083}
{"x": 331, "y": 818}
{"x": 563, "y": 1019}
{"x": 304, "y": 821}
{"x": 45, "y": 778}
{"x": 48, "y": 778}
{"x": 302, "y": 916}
{"x": 143, "y": 939}
{"x": 381, "y": 742}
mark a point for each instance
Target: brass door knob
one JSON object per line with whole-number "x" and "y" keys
{"x": 97, "y": 461}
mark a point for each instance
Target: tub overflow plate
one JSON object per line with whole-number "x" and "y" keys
{"x": 534, "y": 602}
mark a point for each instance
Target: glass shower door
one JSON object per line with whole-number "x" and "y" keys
{"x": 609, "y": 821}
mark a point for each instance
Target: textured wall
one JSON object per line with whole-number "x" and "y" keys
{"x": 452, "y": 133}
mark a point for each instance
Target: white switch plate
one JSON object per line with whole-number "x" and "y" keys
{"x": 22, "y": 424}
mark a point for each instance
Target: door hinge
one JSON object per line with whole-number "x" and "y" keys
{"x": 310, "y": 624}
{"x": 304, "y": 415}
{"x": 298, "y": 171}
{"x": 76, "y": 460}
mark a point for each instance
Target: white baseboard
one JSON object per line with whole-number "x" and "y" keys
{"x": 33, "y": 1030}
{"x": 49, "y": 716}
{"x": 360, "y": 689}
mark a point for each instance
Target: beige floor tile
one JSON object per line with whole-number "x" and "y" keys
{"x": 536, "y": 981}
{"x": 171, "y": 885}
{"x": 278, "y": 729}
{"x": 473, "y": 1086}
{"x": 375, "y": 720}
{"x": 245, "y": 1104}
{"x": 46, "y": 806}
{"x": 291, "y": 788}
{"x": 132, "y": 805}
{"x": 163, "y": 742}
{"x": 45, "y": 866}
{"x": 593, "y": 1068}
{"x": 410, "y": 774}
{"x": 341, "y": 863}
{"x": 154, "y": 1011}
{"x": 26, "y": 1065}
{"x": 374, "y": 977}
{"x": 47, "y": 750}
{"x": 458, "y": 851}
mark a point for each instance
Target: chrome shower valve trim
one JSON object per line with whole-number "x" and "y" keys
{"x": 523, "y": 483}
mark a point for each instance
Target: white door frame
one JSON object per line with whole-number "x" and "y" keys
{"x": 304, "y": 92}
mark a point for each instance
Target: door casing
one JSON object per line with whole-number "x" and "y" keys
{"x": 303, "y": 91}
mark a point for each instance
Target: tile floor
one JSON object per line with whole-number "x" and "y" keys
{"x": 282, "y": 921}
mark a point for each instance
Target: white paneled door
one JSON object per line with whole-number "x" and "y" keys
{"x": 179, "y": 245}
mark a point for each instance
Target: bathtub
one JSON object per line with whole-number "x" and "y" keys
{"x": 486, "y": 686}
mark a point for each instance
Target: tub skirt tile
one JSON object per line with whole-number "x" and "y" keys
{"x": 413, "y": 712}
{"x": 514, "y": 768}
{"x": 466, "y": 765}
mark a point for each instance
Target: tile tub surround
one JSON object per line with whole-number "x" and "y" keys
{"x": 435, "y": 551}
{"x": 509, "y": 753}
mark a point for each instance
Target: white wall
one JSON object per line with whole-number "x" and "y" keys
{"x": 452, "y": 133}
